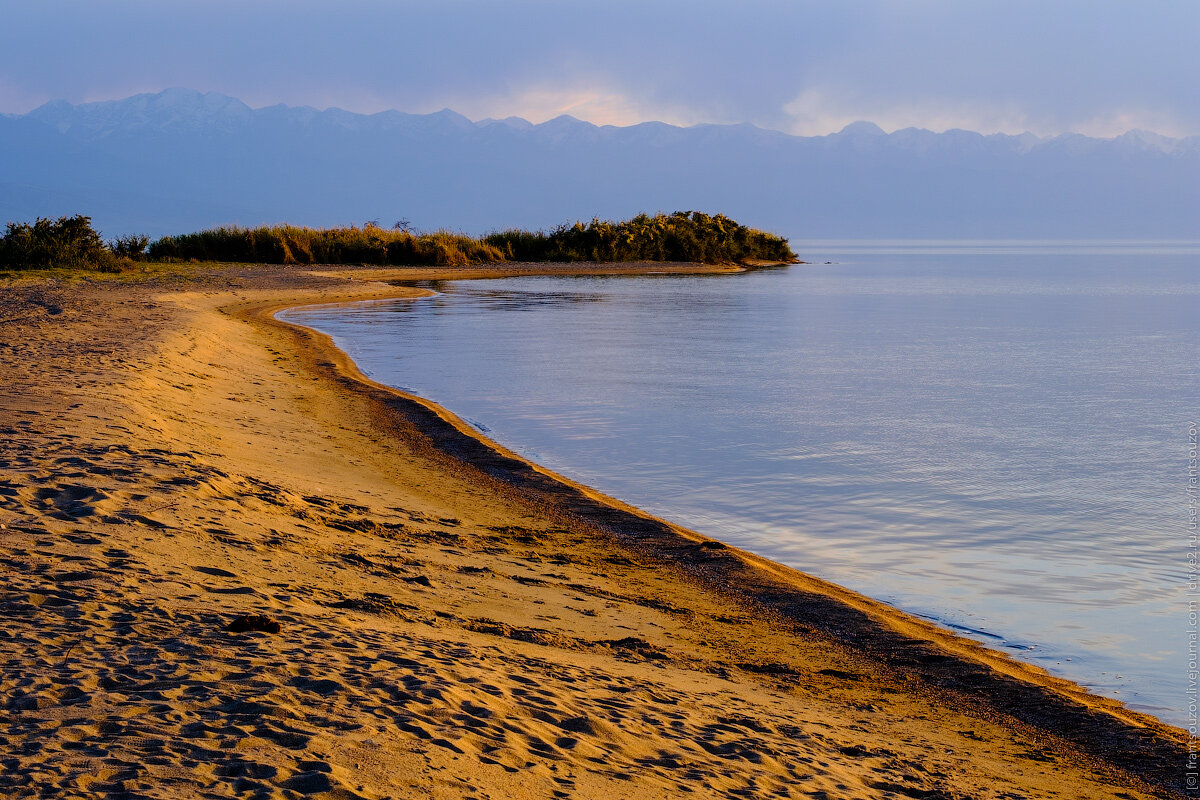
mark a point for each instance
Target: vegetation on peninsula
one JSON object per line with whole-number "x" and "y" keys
{"x": 71, "y": 242}
{"x": 682, "y": 236}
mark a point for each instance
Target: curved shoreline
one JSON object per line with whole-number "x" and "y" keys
{"x": 448, "y": 619}
{"x": 972, "y": 676}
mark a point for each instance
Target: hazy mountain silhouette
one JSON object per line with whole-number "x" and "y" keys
{"x": 181, "y": 160}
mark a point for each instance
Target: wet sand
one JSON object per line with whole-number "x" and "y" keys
{"x": 453, "y": 621}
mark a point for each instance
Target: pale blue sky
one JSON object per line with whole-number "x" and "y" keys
{"x": 1095, "y": 66}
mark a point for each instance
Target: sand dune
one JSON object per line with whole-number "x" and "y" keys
{"x": 452, "y": 623}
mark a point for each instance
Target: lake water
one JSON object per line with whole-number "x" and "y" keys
{"x": 991, "y": 435}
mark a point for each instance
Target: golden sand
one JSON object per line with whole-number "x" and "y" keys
{"x": 454, "y": 621}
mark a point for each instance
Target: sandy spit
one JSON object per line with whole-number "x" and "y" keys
{"x": 453, "y": 620}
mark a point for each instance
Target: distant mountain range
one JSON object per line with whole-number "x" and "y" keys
{"x": 180, "y": 161}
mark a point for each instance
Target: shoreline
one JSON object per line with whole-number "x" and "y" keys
{"x": 453, "y": 434}
{"x": 1073, "y": 686}
{"x": 904, "y": 656}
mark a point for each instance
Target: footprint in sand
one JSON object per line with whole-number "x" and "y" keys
{"x": 71, "y": 501}
{"x": 215, "y": 571}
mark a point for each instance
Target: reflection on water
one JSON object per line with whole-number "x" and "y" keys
{"x": 494, "y": 298}
{"x": 994, "y": 439}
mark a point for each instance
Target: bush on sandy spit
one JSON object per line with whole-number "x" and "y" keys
{"x": 131, "y": 247}
{"x": 71, "y": 243}
{"x": 286, "y": 244}
{"x": 681, "y": 236}
{"x": 65, "y": 243}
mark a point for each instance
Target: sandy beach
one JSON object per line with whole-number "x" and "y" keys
{"x": 453, "y": 621}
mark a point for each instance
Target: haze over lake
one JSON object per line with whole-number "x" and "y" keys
{"x": 993, "y": 435}
{"x": 180, "y": 160}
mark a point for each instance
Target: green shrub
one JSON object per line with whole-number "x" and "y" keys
{"x": 70, "y": 242}
{"x": 682, "y": 236}
{"x": 285, "y": 244}
{"x": 65, "y": 243}
{"x": 131, "y": 247}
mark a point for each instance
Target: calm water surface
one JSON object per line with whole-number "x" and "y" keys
{"x": 990, "y": 435}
